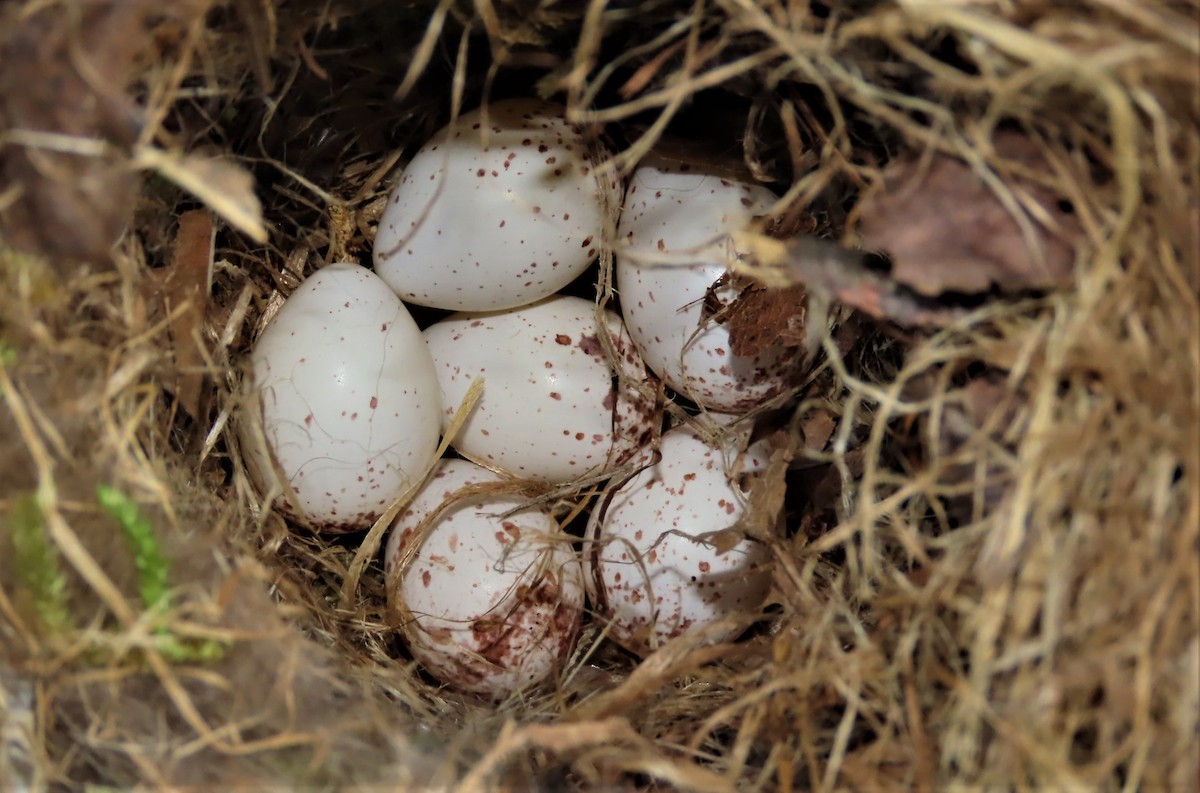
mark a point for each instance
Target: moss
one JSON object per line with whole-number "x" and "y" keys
{"x": 37, "y": 564}
{"x": 154, "y": 572}
{"x": 153, "y": 567}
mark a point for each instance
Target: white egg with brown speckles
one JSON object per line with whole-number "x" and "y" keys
{"x": 491, "y": 604}
{"x": 670, "y": 266}
{"x": 494, "y": 212}
{"x": 349, "y": 397}
{"x": 650, "y": 573}
{"x": 551, "y": 408}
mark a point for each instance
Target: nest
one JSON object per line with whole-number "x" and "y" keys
{"x": 989, "y": 512}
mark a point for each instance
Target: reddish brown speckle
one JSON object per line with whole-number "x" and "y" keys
{"x": 426, "y": 578}
{"x": 511, "y": 529}
{"x": 556, "y": 396}
{"x": 562, "y": 339}
{"x": 705, "y": 567}
{"x": 590, "y": 345}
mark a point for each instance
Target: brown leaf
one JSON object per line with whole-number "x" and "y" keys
{"x": 68, "y": 190}
{"x": 72, "y": 204}
{"x": 185, "y": 288}
{"x": 818, "y": 428}
{"x": 223, "y": 185}
{"x": 946, "y": 230}
{"x": 828, "y": 270}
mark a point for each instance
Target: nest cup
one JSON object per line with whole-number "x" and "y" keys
{"x": 982, "y": 509}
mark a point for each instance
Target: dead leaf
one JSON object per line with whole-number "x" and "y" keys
{"x": 827, "y": 270}
{"x": 184, "y": 289}
{"x": 223, "y": 185}
{"x": 946, "y": 230}
{"x": 821, "y": 487}
{"x": 818, "y": 427}
{"x": 64, "y": 202}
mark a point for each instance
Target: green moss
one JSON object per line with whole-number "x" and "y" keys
{"x": 153, "y": 567}
{"x": 28, "y": 275}
{"x": 154, "y": 571}
{"x": 37, "y": 563}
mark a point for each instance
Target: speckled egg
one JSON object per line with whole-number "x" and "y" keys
{"x": 674, "y": 214}
{"x": 494, "y": 213}
{"x": 495, "y": 603}
{"x": 551, "y": 408}
{"x": 350, "y": 401}
{"x": 649, "y": 576}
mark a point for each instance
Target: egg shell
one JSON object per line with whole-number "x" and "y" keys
{"x": 649, "y": 578}
{"x": 496, "y": 602}
{"x": 493, "y": 217}
{"x": 675, "y": 214}
{"x": 550, "y": 409}
{"x": 350, "y": 402}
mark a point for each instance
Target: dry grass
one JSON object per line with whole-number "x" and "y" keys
{"x": 979, "y": 592}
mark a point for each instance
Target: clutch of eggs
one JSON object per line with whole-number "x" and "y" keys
{"x": 492, "y": 604}
{"x": 499, "y": 211}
